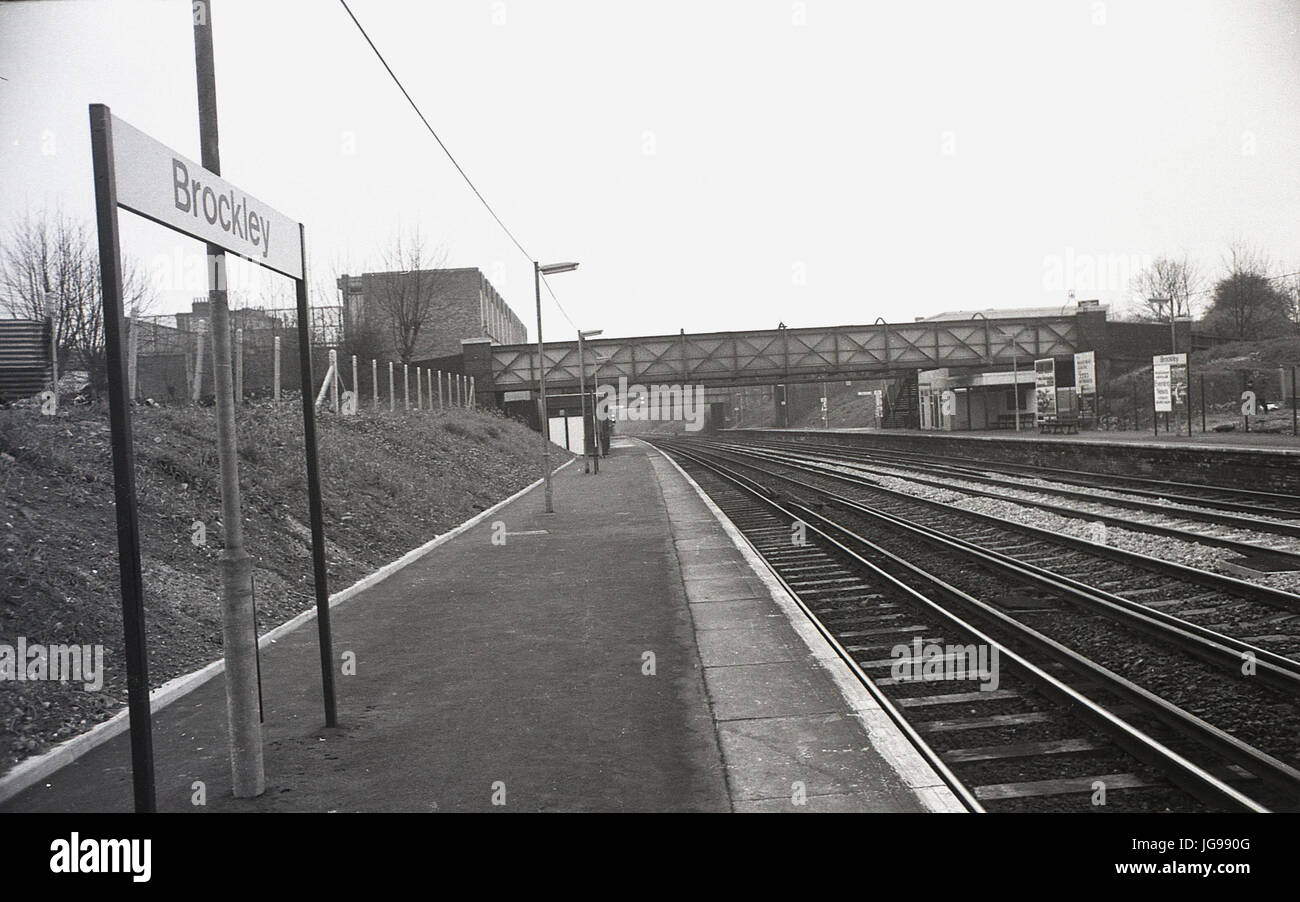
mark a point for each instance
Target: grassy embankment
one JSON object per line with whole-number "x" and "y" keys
{"x": 390, "y": 483}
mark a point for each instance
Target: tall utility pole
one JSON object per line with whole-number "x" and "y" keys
{"x": 541, "y": 392}
{"x": 238, "y": 629}
{"x": 538, "y": 271}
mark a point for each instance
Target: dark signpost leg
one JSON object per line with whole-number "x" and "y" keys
{"x": 313, "y": 494}
{"x": 128, "y": 524}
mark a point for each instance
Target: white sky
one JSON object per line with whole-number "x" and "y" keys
{"x": 712, "y": 164}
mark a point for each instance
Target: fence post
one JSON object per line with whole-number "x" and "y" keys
{"x": 132, "y": 353}
{"x": 374, "y": 380}
{"x": 239, "y": 366}
{"x": 356, "y": 384}
{"x": 1133, "y": 387}
{"x": 471, "y": 392}
{"x": 198, "y": 369}
{"x": 1155, "y": 414}
{"x": 1202, "y": 404}
{"x": 419, "y": 389}
{"x": 440, "y": 389}
{"x": 406, "y": 386}
{"x": 392, "y": 396}
{"x": 430, "y": 372}
{"x": 275, "y": 366}
{"x": 334, "y": 380}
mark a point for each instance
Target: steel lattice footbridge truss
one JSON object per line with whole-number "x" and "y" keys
{"x": 783, "y": 355}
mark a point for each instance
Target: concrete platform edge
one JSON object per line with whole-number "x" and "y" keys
{"x": 31, "y": 771}
{"x": 881, "y": 732}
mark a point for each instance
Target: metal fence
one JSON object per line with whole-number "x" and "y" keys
{"x": 171, "y": 356}
{"x": 1127, "y": 402}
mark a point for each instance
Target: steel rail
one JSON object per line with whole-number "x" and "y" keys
{"x": 1184, "y": 772}
{"x": 1089, "y": 478}
{"x": 1236, "y": 521}
{"x": 1237, "y": 587}
{"x": 927, "y": 752}
{"x": 1214, "y": 647}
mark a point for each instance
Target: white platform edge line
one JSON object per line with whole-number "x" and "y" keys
{"x": 881, "y": 731}
{"x": 26, "y": 773}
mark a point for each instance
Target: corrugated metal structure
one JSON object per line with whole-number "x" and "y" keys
{"x": 24, "y": 358}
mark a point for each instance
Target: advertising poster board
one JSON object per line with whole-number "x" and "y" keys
{"x": 1045, "y": 387}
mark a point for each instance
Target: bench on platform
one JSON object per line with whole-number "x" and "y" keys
{"x": 1068, "y": 425}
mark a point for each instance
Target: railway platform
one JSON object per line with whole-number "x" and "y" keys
{"x": 626, "y": 653}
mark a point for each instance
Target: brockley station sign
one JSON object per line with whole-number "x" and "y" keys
{"x": 160, "y": 184}
{"x": 136, "y": 173}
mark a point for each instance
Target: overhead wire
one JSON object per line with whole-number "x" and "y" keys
{"x": 450, "y": 156}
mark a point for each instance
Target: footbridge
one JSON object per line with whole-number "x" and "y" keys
{"x": 782, "y": 355}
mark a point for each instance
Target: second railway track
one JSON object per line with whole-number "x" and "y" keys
{"x": 1043, "y": 737}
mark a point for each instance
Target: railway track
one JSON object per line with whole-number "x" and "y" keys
{"x": 1258, "y": 615}
{"x": 1252, "y": 502}
{"x": 1057, "y": 726}
{"x": 1210, "y": 521}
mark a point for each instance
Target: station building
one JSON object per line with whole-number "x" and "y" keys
{"x": 994, "y": 398}
{"x": 464, "y": 306}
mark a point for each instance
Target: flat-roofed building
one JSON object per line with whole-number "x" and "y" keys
{"x": 450, "y": 306}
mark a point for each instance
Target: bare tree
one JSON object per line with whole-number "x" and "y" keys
{"x": 1165, "y": 280}
{"x": 49, "y": 269}
{"x": 1248, "y": 303}
{"x": 404, "y": 295}
{"x": 1289, "y": 285}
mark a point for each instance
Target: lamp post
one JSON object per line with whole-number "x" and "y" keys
{"x": 597, "y": 360}
{"x": 538, "y": 272}
{"x": 582, "y": 393}
{"x": 1173, "y": 330}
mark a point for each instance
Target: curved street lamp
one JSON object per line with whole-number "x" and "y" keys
{"x": 538, "y": 271}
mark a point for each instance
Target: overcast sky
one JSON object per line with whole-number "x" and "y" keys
{"x": 711, "y": 164}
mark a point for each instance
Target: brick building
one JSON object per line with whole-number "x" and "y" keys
{"x": 465, "y": 306}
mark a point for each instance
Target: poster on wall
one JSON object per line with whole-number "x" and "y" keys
{"x": 1045, "y": 387}
{"x": 1085, "y": 383}
{"x": 1169, "y": 380}
{"x": 1085, "y": 372}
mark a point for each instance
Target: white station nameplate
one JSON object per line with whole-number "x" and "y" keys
{"x": 160, "y": 184}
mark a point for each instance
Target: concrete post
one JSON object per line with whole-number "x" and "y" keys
{"x": 334, "y": 380}
{"x": 132, "y": 350}
{"x": 198, "y": 370}
{"x": 239, "y": 366}
{"x": 275, "y": 365}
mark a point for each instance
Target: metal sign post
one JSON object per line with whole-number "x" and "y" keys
{"x": 204, "y": 206}
{"x": 119, "y": 408}
{"x": 1168, "y": 382}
